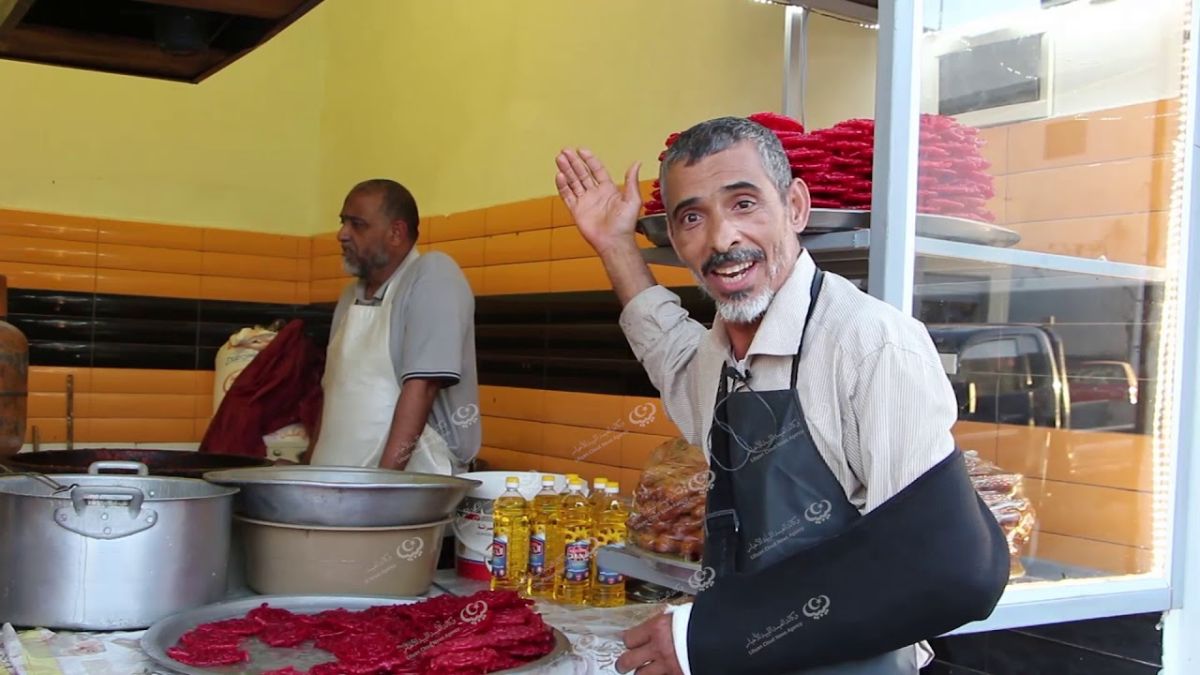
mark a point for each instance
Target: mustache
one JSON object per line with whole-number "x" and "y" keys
{"x": 733, "y": 256}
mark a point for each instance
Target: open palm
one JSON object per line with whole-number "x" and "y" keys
{"x": 605, "y": 214}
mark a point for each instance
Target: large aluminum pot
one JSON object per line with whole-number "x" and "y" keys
{"x": 108, "y": 551}
{"x": 340, "y": 496}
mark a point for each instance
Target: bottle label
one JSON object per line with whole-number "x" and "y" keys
{"x": 579, "y": 555}
{"x": 537, "y": 551}
{"x": 500, "y": 556}
{"x": 609, "y": 577}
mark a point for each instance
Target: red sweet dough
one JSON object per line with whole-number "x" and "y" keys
{"x": 777, "y": 122}
{"x": 207, "y": 657}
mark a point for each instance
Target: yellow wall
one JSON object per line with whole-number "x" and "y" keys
{"x": 240, "y": 150}
{"x": 467, "y": 102}
{"x": 841, "y": 72}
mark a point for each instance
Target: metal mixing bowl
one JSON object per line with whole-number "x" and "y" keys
{"x": 334, "y": 496}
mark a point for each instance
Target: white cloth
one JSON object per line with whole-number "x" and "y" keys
{"x": 874, "y": 392}
{"x": 361, "y": 391}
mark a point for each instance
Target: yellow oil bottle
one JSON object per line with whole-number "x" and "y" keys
{"x": 545, "y": 540}
{"x": 596, "y": 498}
{"x": 574, "y": 581}
{"x": 510, "y": 538}
{"x": 608, "y": 586}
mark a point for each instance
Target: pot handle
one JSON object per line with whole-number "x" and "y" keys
{"x": 81, "y": 494}
{"x": 113, "y": 465}
{"x": 104, "y": 521}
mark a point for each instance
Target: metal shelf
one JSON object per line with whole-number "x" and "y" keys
{"x": 853, "y": 246}
{"x": 635, "y": 563}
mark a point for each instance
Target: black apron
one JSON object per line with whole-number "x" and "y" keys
{"x": 772, "y": 493}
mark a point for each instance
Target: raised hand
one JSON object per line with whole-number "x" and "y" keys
{"x": 605, "y": 214}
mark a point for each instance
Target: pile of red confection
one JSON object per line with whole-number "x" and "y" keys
{"x": 447, "y": 635}
{"x": 836, "y": 165}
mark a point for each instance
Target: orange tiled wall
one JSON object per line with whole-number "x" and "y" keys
{"x": 1097, "y": 184}
{"x": 120, "y": 405}
{"x": 526, "y": 247}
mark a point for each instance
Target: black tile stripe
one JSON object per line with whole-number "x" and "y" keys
{"x": 562, "y": 341}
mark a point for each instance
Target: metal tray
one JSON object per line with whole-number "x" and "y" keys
{"x": 825, "y": 221}
{"x": 335, "y": 496}
{"x": 820, "y": 221}
{"x": 164, "y": 634}
{"x": 636, "y": 563}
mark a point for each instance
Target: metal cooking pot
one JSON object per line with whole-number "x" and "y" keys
{"x": 339, "y": 496}
{"x": 110, "y": 552}
{"x": 182, "y": 463}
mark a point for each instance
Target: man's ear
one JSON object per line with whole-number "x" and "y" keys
{"x": 799, "y": 205}
{"x": 398, "y": 232}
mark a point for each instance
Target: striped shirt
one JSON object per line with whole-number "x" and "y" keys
{"x": 872, "y": 386}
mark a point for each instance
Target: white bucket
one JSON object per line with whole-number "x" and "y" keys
{"x": 473, "y": 520}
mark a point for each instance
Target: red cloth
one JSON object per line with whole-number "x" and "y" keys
{"x": 281, "y": 386}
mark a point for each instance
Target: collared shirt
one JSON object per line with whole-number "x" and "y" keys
{"x": 432, "y": 335}
{"x": 872, "y": 386}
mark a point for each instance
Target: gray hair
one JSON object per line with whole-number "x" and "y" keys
{"x": 709, "y": 138}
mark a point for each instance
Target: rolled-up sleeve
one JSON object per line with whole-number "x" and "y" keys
{"x": 664, "y": 338}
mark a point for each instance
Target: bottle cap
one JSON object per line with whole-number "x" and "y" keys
{"x": 612, "y": 488}
{"x": 600, "y": 482}
{"x": 548, "y": 480}
{"x": 512, "y": 482}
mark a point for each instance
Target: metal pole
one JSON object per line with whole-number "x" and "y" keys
{"x": 795, "y": 61}
{"x": 894, "y": 194}
{"x": 1181, "y": 625}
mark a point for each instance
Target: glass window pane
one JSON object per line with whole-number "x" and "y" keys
{"x": 1047, "y": 226}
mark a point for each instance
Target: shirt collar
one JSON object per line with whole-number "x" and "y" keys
{"x": 782, "y": 326}
{"x": 360, "y": 289}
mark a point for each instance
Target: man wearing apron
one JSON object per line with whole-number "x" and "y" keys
{"x": 400, "y": 383}
{"x": 841, "y": 527}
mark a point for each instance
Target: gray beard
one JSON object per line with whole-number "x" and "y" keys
{"x": 360, "y": 267}
{"x": 741, "y": 310}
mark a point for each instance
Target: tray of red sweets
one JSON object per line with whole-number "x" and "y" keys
{"x": 488, "y": 632}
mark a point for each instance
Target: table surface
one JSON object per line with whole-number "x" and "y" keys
{"x": 594, "y": 634}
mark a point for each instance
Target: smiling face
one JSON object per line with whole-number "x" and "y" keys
{"x": 733, "y": 229}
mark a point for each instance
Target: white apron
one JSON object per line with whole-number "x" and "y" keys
{"x": 361, "y": 392}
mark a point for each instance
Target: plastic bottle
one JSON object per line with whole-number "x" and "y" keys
{"x": 608, "y": 586}
{"x": 596, "y": 498}
{"x": 510, "y": 538}
{"x": 576, "y": 522}
{"x": 545, "y": 540}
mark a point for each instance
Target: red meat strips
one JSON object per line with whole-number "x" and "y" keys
{"x": 446, "y": 635}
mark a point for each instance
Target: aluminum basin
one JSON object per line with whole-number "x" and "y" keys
{"x": 334, "y": 496}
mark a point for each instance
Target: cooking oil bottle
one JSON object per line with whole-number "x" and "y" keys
{"x": 576, "y": 522}
{"x": 596, "y": 498}
{"x": 608, "y": 586}
{"x": 545, "y": 540}
{"x": 510, "y": 538}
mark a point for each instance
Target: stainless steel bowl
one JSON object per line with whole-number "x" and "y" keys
{"x": 335, "y": 496}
